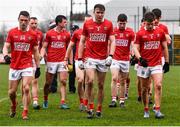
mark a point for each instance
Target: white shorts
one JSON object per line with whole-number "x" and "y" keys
{"x": 18, "y": 74}
{"x": 34, "y": 65}
{"x": 53, "y": 67}
{"x": 146, "y": 72}
{"x": 163, "y": 60}
{"x": 76, "y": 64}
{"x": 120, "y": 65}
{"x": 136, "y": 67}
{"x": 96, "y": 64}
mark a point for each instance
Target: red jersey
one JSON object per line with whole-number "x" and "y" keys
{"x": 123, "y": 42}
{"x": 151, "y": 45}
{"x": 164, "y": 28}
{"x": 57, "y": 45}
{"x": 39, "y": 37}
{"x": 76, "y": 39}
{"x": 97, "y": 35}
{"x": 22, "y": 44}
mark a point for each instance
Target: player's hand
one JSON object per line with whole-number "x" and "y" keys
{"x": 7, "y": 59}
{"x": 133, "y": 60}
{"x": 108, "y": 60}
{"x": 37, "y": 72}
{"x": 166, "y": 67}
{"x": 80, "y": 64}
{"x": 143, "y": 62}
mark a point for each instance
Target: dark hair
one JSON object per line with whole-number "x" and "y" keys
{"x": 59, "y": 18}
{"x": 157, "y": 12}
{"x": 52, "y": 25}
{"x": 74, "y": 27}
{"x": 122, "y": 17}
{"x": 149, "y": 17}
{"x": 142, "y": 20}
{"x": 34, "y": 18}
{"x": 100, "y": 6}
{"x": 24, "y": 13}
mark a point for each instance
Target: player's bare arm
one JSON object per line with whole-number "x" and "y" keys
{"x": 136, "y": 48}
{"x": 112, "y": 45}
{"x": 36, "y": 56}
{"x": 69, "y": 53}
{"x": 81, "y": 46}
{"x": 5, "y": 48}
{"x": 165, "y": 50}
{"x": 43, "y": 49}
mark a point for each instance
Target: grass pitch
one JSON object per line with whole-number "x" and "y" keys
{"x": 131, "y": 115}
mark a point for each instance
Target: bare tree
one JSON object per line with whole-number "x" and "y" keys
{"x": 3, "y": 34}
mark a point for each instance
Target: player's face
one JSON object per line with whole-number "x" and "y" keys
{"x": 23, "y": 22}
{"x": 122, "y": 25}
{"x": 63, "y": 24}
{"x": 149, "y": 25}
{"x": 156, "y": 22}
{"x": 99, "y": 14}
{"x": 33, "y": 24}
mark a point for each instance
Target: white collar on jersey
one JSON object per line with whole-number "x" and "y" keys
{"x": 26, "y": 29}
{"x": 94, "y": 20}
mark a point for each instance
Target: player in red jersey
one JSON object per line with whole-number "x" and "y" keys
{"x": 148, "y": 48}
{"x": 80, "y": 74}
{"x": 23, "y": 44}
{"x": 124, "y": 36}
{"x": 56, "y": 42}
{"x": 96, "y": 33}
{"x": 33, "y": 24}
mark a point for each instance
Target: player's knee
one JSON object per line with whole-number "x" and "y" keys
{"x": 80, "y": 80}
{"x": 114, "y": 79}
{"x": 158, "y": 86}
{"x": 11, "y": 92}
{"x": 100, "y": 86}
{"x": 34, "y": 82}
{"x": 63, "y": 82}
{"x": 90, "y": 81}
{"x": 26, "y": 89}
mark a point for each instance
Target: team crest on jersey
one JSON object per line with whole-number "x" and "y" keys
{"x": 22, "y": 37}
{"x": 127, "y": 35}
{"x": 105, "y": 28}
{"x": 64, "y": 37}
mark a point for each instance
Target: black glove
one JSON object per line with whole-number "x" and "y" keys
{"x": 7, "y": 59}
{"x": 143, "y": 62}
{"x": 37, "y": 73}
{"x": 166, "y": 67}
{"x": 133, "y": 60}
